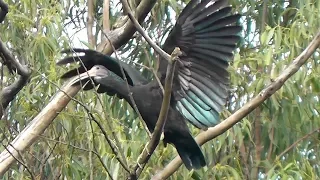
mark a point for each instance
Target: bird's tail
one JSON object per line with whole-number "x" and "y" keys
{"x": 190, "y": 153}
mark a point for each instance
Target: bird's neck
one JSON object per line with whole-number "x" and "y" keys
{"x": 132, "y": 94}
{"x": 137, "y": 96}
{"x": 122, "y": 89}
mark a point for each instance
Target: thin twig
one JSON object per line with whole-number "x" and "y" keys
{"x": 21, "y": 162}
{"x": 264, "y": 15}
{"x": 147, "y": 38}
{"x": 46, "y": 158}
{"x": 299, "y": 140}
{"x": 213, "y": 132}
{"x": 95, "y": 148}
{"x": 142, "y": 32}
{"x": 153, "y": 70}
{"x": 153, "y": 143}
{"x": 123, "y": 163}
{"x": 66, "y": 144}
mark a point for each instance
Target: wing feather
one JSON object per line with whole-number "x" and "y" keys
{"x": 207, "y": 34}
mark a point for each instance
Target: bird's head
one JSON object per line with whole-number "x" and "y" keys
{"x": 95, "y": 73}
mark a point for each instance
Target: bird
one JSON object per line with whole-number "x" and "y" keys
{"x": 207, "y": 33}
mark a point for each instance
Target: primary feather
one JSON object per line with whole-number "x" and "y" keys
{"x": 207, "y": 34}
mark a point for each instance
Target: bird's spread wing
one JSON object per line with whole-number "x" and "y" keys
{"x": 207, "y": 35}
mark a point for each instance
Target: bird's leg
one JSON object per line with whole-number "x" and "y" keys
{"x": 162, "y": 136}
{"x": 175, "y": 54}
{"x": 163, "y": 139}
{"x": 165, "y": 143}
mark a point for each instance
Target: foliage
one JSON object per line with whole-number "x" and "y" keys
{"x": 280, "y": 139}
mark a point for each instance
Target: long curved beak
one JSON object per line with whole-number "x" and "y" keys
{"x": 95, "y": 71}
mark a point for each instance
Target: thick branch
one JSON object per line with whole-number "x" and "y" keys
{"x": 248, "y": 107}
{"x": 153, "y": 143}
{"x": 36, "y": 127}
{"x": 123, "y": 34}
{"x": 14, "y": 63}
{"x": 258, "y": 145}
{"x": 105, "y": 19}
{"x": 90, "y": 19}
{"x": 8, "y": 93}
{"x": 264, "y": 15}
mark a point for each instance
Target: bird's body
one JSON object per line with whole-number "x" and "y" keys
{"x": 206, "y": 34}
{"x": 175, "y": 130}
{"x": 148, "y": 100}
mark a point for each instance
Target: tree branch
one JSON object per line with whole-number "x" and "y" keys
{"x": 153, "y": 143}
{"x": 123, "y": 34}
{"x": 142, "y": 32}
{"x": 95, "y": 148}
{"x": 299, "y": 140}
{"x": 264, "y": 15}
{"x": 248, "y": 107}
{"x": 105, "y": 19}
{"x": 147, "y": 38}
{"x": 90, "y": 18}
{"x": 8, "y": 93}
{"x": 12, "y": 62}
{"x": 257, "y": 143}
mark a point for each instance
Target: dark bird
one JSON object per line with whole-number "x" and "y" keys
{"x": 207, "y": 34}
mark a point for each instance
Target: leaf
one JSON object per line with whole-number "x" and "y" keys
{"x": 267, "y": 35}
{"x": 268, "y": 56}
